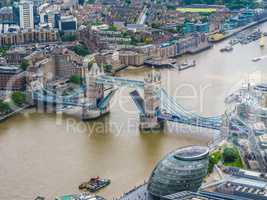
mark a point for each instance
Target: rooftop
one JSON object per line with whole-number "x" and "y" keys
{"x": 67, "y": 18}
{"x": 249, "y": 182}
{"x": 192, "y": 153}
{"x": 6, "y": 10}
{"x": 11, "y": 69}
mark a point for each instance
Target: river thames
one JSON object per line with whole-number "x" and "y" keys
{"x": 50, "y": 155}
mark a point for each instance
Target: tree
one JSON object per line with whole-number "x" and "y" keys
{"x": 107, "y": 68}
{"x": 4, "y": 107}
{"x": 179, "y": 28}
{"x": 127, "y": 2}
{"x": 81, "y": 50}
{"x": 76, "y": 79}
{"x": 18, "y": 98}
{"x": 24, "y": 64}
{"x": 214, "y": 158}
{"x": 155, "y": 25}
{"x": 230, "y": 154}
{"x": 112, "y": 28}
{"x": 3, "y": 50}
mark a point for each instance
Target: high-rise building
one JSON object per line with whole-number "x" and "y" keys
{"x": 26, "y": 14}
{"x": 67, "y": 24}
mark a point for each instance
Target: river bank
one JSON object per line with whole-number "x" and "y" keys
{"x": 213, "y": 38}
{"x": 13, "y": 113}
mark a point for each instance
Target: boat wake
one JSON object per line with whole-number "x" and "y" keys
{"x": 256, "y": 59}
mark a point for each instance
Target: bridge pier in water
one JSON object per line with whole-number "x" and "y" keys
{"x": 149, "y": 119}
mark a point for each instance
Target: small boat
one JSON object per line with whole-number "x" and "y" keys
{"x": 82, "y": 196}
{"x": 226, "y": 49}
{"x": 186, "y": 65}
{"x": 94, "y": 184}
{"x": 234, "y": 42}
{"x": 256, "y": 59}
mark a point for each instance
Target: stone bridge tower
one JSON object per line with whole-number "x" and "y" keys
{"x": 94, "y": 91}
{"x": 149, "y": 120}
{"x": 94, "y": 94}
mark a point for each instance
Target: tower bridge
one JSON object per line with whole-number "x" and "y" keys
{"x": 155, "y": 107}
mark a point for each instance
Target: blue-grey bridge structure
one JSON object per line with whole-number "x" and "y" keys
{"x": 155, "y": 107}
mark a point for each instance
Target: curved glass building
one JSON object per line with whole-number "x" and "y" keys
{"x": 181, "y": 170}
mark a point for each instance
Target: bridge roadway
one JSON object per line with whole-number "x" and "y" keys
{"x": 119, "y": 82}
{"x": 72, "y": 100}
{"x": 40, "y": 96}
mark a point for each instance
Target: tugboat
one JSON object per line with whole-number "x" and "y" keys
{"x": 226, "y": 49}
{"x": 94, "y": 184}
{"x": 82, "y": 196}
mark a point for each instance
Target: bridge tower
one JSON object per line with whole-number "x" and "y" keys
{"x": 93, "y": 95}
{"x": 29, "y": 98}
{"x": 149, "y": 119}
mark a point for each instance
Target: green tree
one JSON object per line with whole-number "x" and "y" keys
{"x": 107, "y": 68}
{"x": 214, "y": 158}
{"x": 3, "y": 50}
{"x": 76, "y": 79}
{"x": 4, "y": 107}
{"x": 155, "y": 25}
{"x": 81, "y": 50}
{"x": 24, "y": 64}
{"x": 230, "y": 154}
{"x": 128, "y": 2}
{"x": 179, "y": 28}
{"x": 113, "y": 28}
{"x": 18, "y": 98}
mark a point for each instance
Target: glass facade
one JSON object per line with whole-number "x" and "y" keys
{"x": 181, "y": 170}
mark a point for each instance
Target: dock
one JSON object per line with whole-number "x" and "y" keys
{"x": 160, "y": 63}
{"x": 169, "y": 63}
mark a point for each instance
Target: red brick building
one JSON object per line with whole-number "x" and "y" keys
{"x": 12, "y": 78}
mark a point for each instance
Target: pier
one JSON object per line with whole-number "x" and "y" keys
{"x": 169, "y": 63}
{"x": 160, "y": 63}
